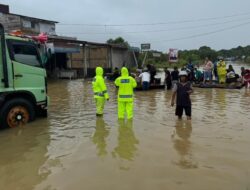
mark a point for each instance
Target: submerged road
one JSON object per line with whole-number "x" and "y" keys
{"x": 72, "y": 149}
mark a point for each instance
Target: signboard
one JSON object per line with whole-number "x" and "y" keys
{"x": 156, "y": 54}
{"x": 173, "y": 55}
{"x": 145, "y": 47}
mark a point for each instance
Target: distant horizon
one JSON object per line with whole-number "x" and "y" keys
{"x": 202, "y": 46}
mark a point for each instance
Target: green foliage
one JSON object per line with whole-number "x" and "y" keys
{"x": 235, "y": 52}
{"x": 118, "y": 41}
{"x": 247, "y": 59}
{"x": 198, "y": 55}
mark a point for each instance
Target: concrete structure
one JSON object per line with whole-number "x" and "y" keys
{"x": 71, "y": 58}
{"x": 29, "y": 25}
{"x": 82, "y": 57}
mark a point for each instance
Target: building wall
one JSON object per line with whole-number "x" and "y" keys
{"x": 35, "y": 26}
{"x": 10, "y": 22}
{"x": 77, "y": 60}
{"x": 122, "y": 57}
{"x": 118, "y": 58}
{"x": 95, "y": 56}
{"x": 47, "y": 28}
{"x": 98, "y": 56}
{"x": 27, "y": 25}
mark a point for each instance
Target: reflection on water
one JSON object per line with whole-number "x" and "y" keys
{"x": 23, "y": 152}
{"x": 183, "y": 145}
{"x": 100, "y": 135}
{"x": 127, "y": 141}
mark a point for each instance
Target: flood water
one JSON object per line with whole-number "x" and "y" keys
{"x": 72, "y": 149}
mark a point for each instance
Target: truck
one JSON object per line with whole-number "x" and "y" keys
{"x": 23, "y": 81}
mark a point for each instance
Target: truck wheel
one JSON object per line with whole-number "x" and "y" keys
{"x": 17, "y": 112}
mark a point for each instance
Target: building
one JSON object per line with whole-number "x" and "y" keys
{"x": 74, "y": 58}
{"x": 71, "y": 58}
{"x": 29, "y": 25}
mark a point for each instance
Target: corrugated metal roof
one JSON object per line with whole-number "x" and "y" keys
{"x": 74, "y": 40}
{"x": 39, "y": 19}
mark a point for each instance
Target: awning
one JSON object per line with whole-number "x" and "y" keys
{"x": 67, "y": 49}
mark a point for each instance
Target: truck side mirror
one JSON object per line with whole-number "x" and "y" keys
{"x": 45, "y": 53}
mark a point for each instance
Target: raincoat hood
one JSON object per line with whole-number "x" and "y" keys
{"x": 124, "y": 72}
{"x": 99, "y": 71}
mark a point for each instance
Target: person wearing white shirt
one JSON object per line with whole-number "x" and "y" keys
{"x": 145, "y": 78}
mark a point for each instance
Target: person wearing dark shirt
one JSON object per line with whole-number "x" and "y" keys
{"x": 231, "y": 75}
{"x": 191, "y": 76}
{"x": 168, "y": 80}
{"x": 175, "y": 76}
{"x": 190, "y": 65}
{"x": 181, "y": 94}
{"x": 230, "y": 69}
{"x": 215, "y": 70}
{"x": 152, "y": 71}
{"x": 116, "y": 74}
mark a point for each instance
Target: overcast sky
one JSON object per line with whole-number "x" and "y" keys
{"x": 182, "y": 24}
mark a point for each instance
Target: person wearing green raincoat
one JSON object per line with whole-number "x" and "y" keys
{"x": 222, "y": 71}
{"x": 100, "y": 91}
{"x": 126, "y": 86}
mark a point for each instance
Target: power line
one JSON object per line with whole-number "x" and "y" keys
{"x": 202, "y": 34}
{"x": 159, "y": 23}
{"x": 154, "y": 31}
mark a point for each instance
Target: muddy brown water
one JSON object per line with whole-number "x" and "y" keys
{"x": 72, "y": 149}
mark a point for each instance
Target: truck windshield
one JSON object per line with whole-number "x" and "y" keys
{"x": 25, "y": 53}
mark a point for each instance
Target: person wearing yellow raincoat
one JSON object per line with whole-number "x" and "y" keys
{"x": 222, "y": 71}
{"x": 100, "y": 91}
{"x": 126, "y": 86}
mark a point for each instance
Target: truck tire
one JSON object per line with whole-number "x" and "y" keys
{"x": 17, "y": 112}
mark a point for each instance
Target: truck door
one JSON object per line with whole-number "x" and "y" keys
{"x": 4, "y": 82}
{"x": 29, "y": 74}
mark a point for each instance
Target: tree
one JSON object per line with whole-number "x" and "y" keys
{"x": 206, "y": 51}
{"x": 118, "y": 41}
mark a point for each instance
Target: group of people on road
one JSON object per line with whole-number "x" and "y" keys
{"x": 216, "y": 72}
{"x": 219, "y": 71}
{"x": 126, "y": 84}
{"x": 179, "y": 81}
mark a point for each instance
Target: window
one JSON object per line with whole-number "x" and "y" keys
{"x": 26, "y": 24}
{"x": 33, "y": 25}
{"x": 25, "y": 53}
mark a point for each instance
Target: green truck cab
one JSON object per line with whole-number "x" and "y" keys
{"x": 23, "y": 82}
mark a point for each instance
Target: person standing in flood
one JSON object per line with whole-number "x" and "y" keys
{"x": 145, "y": 79}
{"x": 175, "y": 76}
{"x": 152, "y": 71}
{"x": 100, "y": 91}
{"x": 208, "y": 67}
{"x": 126, "y": 85}
{"x": 182, "y": 90}
{"x": 222, "y": 71}
{"x": 168, "y": 80}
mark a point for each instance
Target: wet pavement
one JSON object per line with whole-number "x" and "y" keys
{"x": 72, "y": 149}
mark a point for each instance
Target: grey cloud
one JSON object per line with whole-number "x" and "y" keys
{"x": 143, "y": 11}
